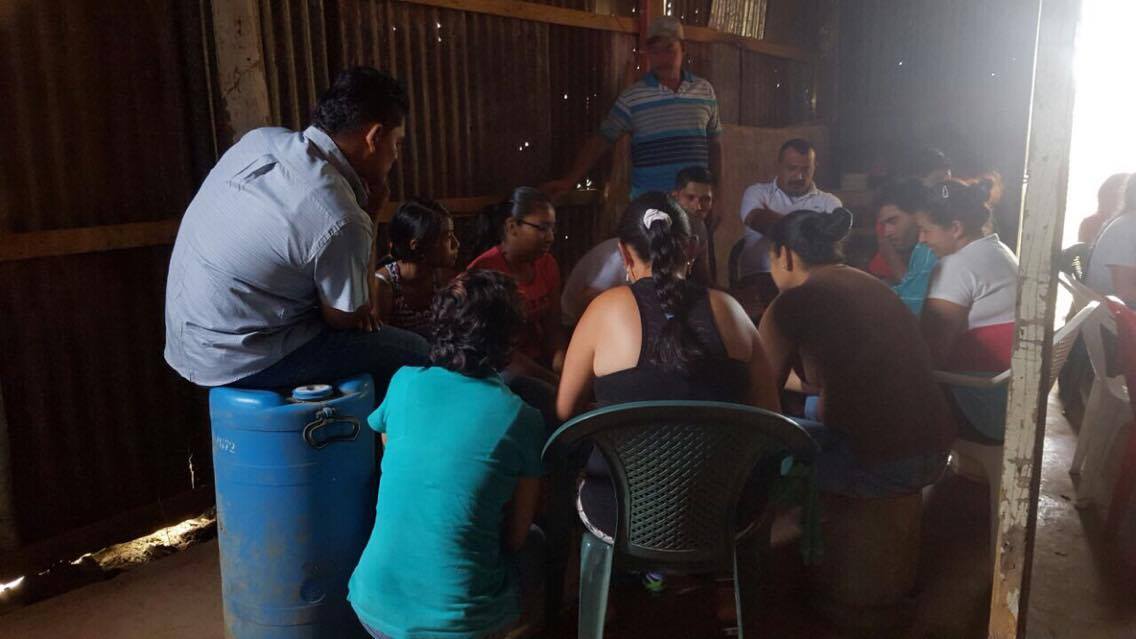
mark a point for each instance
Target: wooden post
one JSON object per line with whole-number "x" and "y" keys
{"x": 240, "y": 69}
{"x": 1042, "y": 220}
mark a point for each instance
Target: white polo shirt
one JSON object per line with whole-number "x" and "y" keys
{"x": 770, "y": 196}
{"x": 599, "y": 269}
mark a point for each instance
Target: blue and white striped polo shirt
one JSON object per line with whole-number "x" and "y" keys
{"x": 670, "y": 130}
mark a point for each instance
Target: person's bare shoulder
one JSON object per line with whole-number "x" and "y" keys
{"x": 613, "y": 300}
{"x": 728, "y": 310}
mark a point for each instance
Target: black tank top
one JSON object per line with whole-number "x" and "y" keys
{"x": 715, "y": 377}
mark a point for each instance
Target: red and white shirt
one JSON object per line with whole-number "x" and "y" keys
{"x": 982, "y": 276}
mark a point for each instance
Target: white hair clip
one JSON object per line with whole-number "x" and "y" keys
{"x": 654, "y": 215}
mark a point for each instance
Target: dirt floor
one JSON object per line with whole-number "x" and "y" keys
{"x": 1079, "y": 591}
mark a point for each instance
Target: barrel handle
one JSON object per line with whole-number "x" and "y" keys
{"x": 325, "y": 417}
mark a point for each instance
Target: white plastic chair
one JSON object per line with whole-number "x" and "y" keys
{"x": 1081, "y": 293}
{"x": 1107, "y": 413}
{"x": 981, "y": 461}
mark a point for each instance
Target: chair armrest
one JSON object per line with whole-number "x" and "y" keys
{"x": 972, "y": 381}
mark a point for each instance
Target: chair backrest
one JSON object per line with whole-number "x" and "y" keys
{"x": 1066, "y": 336}
{"x": 1074, "y": 260}
{"x": 679, "y": 469}
{"x": 1101, "y": 343}
{"x": 1081, "y": 293}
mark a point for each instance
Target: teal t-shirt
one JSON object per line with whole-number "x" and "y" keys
{"x": 434, "y": 565}
{"x": 912, "y": 289}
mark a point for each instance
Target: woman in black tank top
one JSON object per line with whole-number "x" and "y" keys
{"x": 662, "y": 337}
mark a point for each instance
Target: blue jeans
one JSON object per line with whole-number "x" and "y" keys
{"x": 335, "y": 355}
{"x": 838, "y": 471}
{"x": 527, "y": 567}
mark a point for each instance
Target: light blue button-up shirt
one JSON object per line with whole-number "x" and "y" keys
{"x": 277, "y": 228}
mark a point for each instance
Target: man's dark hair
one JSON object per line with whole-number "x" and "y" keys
{"x": 696, "y": 174}
{"x": 475, "y": 321}
{"x": 908, "y": 195}
{"x": 800, "y": 145}
{"x": 359, "y": 96}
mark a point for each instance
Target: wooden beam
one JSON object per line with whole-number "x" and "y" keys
{"x": 538, "y": 13}
{"x": 588, "y": 20}
{"x": 704, "y": 34}
{"x": 91, "y": 239}
{"x": 1042, "y": 220}
{"x": 240, "y": 69}
{"x": 113, "y": 237}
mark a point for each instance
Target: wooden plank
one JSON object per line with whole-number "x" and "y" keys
{"x": 240, "y": 68}
{"x": 1042, "y": 220}
{"x": 588, "y": 20}
{"x": 112, "y": 237}
{"x": 705, "y": 34}
{"x": 91, "y": 239}
{"x": 538, "y": 13}
{"x": 119, "y": 528}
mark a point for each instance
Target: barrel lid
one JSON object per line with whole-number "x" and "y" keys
{"x": 312, "y": 392}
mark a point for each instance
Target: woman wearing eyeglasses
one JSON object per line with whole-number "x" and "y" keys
{"x": 524, "y": 228}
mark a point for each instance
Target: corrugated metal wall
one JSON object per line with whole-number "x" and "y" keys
{"x": 102, "y": 125}
{"x": 111, "y": 119}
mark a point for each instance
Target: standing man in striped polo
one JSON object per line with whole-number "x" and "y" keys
{"x": 671, "y": 115}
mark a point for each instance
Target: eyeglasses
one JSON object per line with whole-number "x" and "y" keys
{"x": 543, "y": 228}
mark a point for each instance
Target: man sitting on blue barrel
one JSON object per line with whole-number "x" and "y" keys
{"x": 270, "y": 279}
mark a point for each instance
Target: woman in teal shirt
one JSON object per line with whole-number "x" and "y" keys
{"x": 460, "y": 479}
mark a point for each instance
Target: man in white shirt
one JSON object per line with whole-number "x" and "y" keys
{"x": 602, "y": 267}
{"x": 766, "y": 202}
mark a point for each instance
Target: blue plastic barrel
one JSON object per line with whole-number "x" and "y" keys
{"x": 295, "y": 477}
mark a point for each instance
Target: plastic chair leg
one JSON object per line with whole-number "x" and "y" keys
{"x": 595, "y": 580}
{"x": 750, "y": 557}
{"x": 560, "y": 519}
{"x": 1106, "y": 416}
{"x": 1088, "y": 426}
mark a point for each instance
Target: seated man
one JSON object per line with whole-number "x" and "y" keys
{"x": 602, "y": 267}
{"x": 1112, "y": 264}
{"x": 269, "y": 283}
{"x": 792, "y": 190}
{"x": 910, "y": 262}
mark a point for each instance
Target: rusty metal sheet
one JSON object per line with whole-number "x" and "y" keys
{"x": 98, "y": 424}
{"x": 102, "y": 125}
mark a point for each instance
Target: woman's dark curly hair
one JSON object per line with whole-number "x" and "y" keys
{"x": 475, "y": 320}
{"x": 665, "y": 244}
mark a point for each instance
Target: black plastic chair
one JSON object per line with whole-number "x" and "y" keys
{"x": 679, "y": 470}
